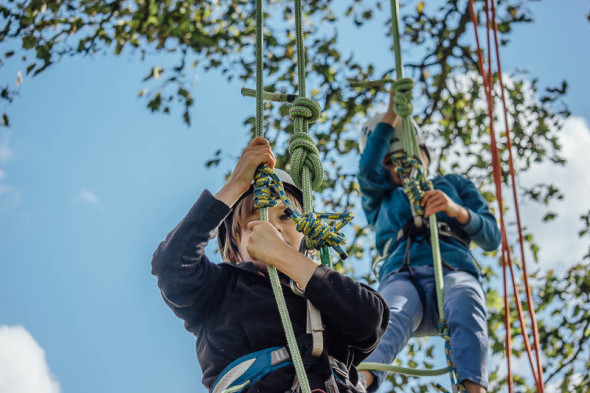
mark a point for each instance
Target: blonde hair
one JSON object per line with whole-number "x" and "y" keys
{"x": 243, "y": 210}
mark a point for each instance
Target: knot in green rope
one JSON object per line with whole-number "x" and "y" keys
{"x": 403, "y": 89}
{"x": 414, "y": 179}
{"x": 304, "y": 153}
{"x": 306, "y": 108}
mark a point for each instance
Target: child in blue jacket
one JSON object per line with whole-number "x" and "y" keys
{"x": 406, "y": 276}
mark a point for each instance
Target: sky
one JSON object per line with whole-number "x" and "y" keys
{"x": 91, "y": 182}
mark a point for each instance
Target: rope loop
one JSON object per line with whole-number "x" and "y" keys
{"x": 305, "y": 108}
{"x": 304, "y": 153}
{"x": 402, "y": 102}
{"x": 414, "y": 179}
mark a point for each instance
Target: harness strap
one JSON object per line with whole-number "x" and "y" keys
{"x": 316, "y": 329}
{"x": 406, "y": 267}
{"x": 250, "y": 368}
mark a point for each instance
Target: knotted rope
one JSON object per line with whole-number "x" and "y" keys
{"x": 269, "y": 189}
{"x": 305, "y": 155}
{"x": 272, "y": 271}
{"x": 414, "y": 179}
{"x": 402, "y": 101}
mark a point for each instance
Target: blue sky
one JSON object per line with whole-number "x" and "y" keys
{"x": 91, "y": 182}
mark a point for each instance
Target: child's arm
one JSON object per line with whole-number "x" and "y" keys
{"x": 188, "y": 280}
{"x": 356, "y": 311}
{"x": 186, "y": 277}
{"x": 482, "y": 226}
{"x": 374, "y": 180}
{"x": 473, "y": 214}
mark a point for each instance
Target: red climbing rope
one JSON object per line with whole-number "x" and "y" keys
{"x": 537, "y": 370}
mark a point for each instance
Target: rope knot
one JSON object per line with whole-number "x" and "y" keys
{"x": 320, "y": 234}
{"x": 413, "y": 178}
{"x": 305, "y": 108}
{"x": 402, "y": 102}
{"x": 305, "y": 154}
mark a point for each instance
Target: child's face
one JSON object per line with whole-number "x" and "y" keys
{"x": 390, "y": 166}
{"x": 281, "y": 221}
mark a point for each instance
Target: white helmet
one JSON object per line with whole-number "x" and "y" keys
{"x": 396, "y": 141}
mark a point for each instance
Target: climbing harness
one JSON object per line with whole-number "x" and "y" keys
{"x": 250, "y": 368}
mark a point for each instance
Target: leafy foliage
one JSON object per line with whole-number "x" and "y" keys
{"x": 218, "y": 36}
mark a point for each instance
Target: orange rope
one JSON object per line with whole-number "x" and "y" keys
{"x": 490, "y": 11}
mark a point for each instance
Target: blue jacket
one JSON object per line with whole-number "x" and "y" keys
{"x": 388, "y": 209}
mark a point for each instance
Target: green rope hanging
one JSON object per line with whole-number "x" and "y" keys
{"x": 272, "y": 271}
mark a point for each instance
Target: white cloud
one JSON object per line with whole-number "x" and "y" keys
{"x": 2, "y": 175}
{"x": 23, "y": 367}
{"x": 88, "y": 196}
{"x": 558, "y": 239}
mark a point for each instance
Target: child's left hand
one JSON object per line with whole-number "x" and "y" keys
{"x": 435, "y": 201}
{"x": 265, "y": 242}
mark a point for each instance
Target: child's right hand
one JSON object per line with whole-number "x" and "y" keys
{"x": 258, "y": 152}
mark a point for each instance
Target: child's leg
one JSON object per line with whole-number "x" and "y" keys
{"x": 406, "y": 314}
{"x": 465, "y": 310}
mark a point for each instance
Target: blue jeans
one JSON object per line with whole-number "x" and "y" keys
{"x": 465, "y": 311}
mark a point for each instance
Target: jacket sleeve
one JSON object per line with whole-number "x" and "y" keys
{"x": 374, "y": 181}
{"x": 359, "y": 312}
{"x": 482, "y": 226}
{"x": 186, "y": 277}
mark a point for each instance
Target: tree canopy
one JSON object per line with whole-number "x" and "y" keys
{"x": 218, "y": 36}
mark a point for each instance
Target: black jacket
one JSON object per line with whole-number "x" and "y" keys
{"x": 232, "y": 311}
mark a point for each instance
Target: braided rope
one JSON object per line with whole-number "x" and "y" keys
{"x": 403, "y": 96}
{"x": 272, "y": 271}
{"x": 268, "y": 189}
{"x": 414, "y": 180}
{"x": 305, "y": 156}
{"x": 307, "y": 176}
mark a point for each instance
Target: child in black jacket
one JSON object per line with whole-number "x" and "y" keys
{"x": 230, "y": 307}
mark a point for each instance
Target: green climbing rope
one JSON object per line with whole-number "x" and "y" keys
{"x": 402, "y": 370}
{"x": 272, "y": 271}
